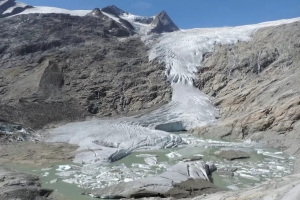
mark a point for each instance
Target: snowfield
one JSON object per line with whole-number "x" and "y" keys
{"x": 45, "y": 9}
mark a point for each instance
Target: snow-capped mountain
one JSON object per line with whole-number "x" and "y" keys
{"x": 156, "y": 24}
{"x": 140, "y": 25}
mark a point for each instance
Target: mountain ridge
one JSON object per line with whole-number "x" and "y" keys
{"x": 159, "y": 23}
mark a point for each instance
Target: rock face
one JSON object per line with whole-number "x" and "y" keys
{"x": 256, "y": 86}
{"x": 15, "y": 185}
{"x": 163, "y": 23}
{"x": 14, "y": 132}
{"x": 160, "y": 23}
{"x": 10, "y": 7}
{"x": 182, "y": 181}
{"x": 57, "y": 67}
{"x": 113, "y": 10}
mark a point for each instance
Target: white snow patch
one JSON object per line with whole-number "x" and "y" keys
{"x": 140, "y": 28}
{"x": 46, "y": 9}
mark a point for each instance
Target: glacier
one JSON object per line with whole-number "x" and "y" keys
{"x": 182, "y": 52}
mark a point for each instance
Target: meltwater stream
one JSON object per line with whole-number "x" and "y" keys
{"x": 139, "y": 146}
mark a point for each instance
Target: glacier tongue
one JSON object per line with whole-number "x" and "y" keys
{"x": 189, "y": 108}
{"x": 182, "y": 52}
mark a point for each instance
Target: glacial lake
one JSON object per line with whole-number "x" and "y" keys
{"x": 71, "y": 180}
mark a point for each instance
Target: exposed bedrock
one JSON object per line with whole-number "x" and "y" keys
{"x": 57, "y": 67}
{"x": 256, "y": 86}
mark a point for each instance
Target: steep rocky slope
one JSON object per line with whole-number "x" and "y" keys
{"x": 57, "y": 67}
{"x": 256, "y": 86}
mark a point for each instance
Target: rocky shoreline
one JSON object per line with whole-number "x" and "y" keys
{"x": 16, "y": 185}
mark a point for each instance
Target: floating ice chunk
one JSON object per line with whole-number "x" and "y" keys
{"x": 142, "y": 166}
{"x": 273, "y": 155}
{"x": 128, "y": 179}
{"x": 45, "y": 174}
{"x": 54, "y": 180}
{"x": 278, "y": 152}
{"x": 173, "y": 155}
{"x": 71, "y": 181}
{"x": 151, "y": 161}
{"x": 46, "y": 169}
{"x": 232, "y": 187}
{"x": 249, "y": 177}
{"x": 264, "y": 170}
{"x": 63, "y": 167}
{"x": 65, "y": 173}
{"x": 280, "y": 167}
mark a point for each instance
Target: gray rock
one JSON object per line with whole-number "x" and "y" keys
{"x": 15, "y": 185}
{"x": 163, "y": 23}
{"x": 191, "y": 159}
{"x": 10, "y": 132}
{"x": 232, "y": 154}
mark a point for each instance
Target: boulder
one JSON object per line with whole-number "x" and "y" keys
{"x": 232, "y": 154}
{"x": 15, "y": 185}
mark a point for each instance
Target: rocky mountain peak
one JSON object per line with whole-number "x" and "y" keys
{"x": 163, "y": 23}
{"x": 113, "y": 10}
{"x": 96, "y": 13}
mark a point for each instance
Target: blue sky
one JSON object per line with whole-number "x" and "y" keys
{"x": 193, "y": 13}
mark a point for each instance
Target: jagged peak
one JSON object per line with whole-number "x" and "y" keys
{"x": 163, "y": 15}
{"x": 96, "y": 13}
{"x": 163, "y": 23}
{"x": 113, "y": 10}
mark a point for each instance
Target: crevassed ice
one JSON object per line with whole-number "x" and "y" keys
{"x": 99, "y": 139}
{"x": 182, "y": 52}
